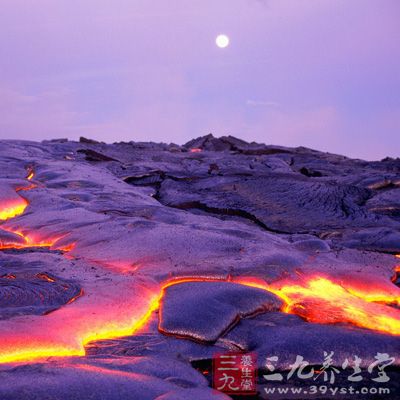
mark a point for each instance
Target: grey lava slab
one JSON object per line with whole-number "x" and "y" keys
{"x": 278, "y": 202}
{"x": 205, "y": 310}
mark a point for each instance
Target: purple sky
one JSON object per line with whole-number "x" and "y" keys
{"x": 318, "y": 73}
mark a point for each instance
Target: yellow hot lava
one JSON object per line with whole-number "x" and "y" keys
{"x": 27, "y": 242}
{"x": 13, "y": 209}
{"x": 322, "y": 300}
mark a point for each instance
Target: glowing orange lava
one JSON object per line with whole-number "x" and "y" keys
{"x": 324, "y": 301}
{"x": 27, "y": 242}
{"x": 12, "y": 209}
{"x": 66, "y": 331}
{"x": 379, "y": 292}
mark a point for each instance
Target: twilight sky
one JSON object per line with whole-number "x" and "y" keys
{"x": 319, "y": 73}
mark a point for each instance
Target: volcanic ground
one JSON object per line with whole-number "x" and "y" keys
{"x": 125, "y": 267}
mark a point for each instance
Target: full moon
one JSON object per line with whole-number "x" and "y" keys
{"x": 222, "y": 41}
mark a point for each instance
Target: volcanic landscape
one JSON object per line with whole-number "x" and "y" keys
{"x": 125, "y": 267}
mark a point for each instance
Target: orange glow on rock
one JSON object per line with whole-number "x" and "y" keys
{"x": 195, "y": 150}
{"x": 12, "y": 208}
{"x": 379, "y": 293}
{"x": 321, "y": 300}
{"x": 67, "y": 330}
{"x": 34, "y": 352}
{"x": 45, "y": 277}
{"x": 113, "y": 331}
{"x": 80, "y": 294}
{"x": 28, "y": 242}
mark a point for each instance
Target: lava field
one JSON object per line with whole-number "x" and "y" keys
{"x": 125, "y": 267}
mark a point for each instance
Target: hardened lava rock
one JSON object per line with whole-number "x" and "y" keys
{"x": 23, "y": 293}
{"x": 203, "y": 311}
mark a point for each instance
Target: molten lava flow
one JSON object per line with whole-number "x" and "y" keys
{"x": 12, "y": 209}
{"x": 28, "y": 242}
{"x": 66, "y": 331}
{"x": 321, "y": 300}
{"x": 114, "y": 331}
{"x": 377, "y": 291}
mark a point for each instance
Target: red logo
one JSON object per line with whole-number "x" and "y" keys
{"x": 235, "y": 373}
